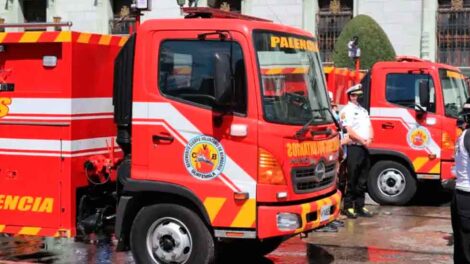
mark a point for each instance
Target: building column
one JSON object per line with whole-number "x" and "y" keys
{"x": 428, "y": 46}
{"x": 309, "y": 16}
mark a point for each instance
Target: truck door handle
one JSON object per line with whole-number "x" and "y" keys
{"x": 388, "y": 125}
{"x": 156, "y": 138}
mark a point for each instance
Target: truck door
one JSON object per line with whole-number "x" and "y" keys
{"x": 408, "y": 126}
{"x": 192, "y": 142}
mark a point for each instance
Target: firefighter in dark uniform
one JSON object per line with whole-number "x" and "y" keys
{"x": 460, "y": 207}
{"x": 359, "y": 128}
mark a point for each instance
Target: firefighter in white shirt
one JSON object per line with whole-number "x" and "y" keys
{"x": 460, "y": 207}
{"x": 357, "y": 123}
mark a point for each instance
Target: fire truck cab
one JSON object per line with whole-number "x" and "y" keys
{"x": 414, "y": 105}
{"x": 216, "y": 149}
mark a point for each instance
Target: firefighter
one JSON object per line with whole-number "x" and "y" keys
{"x": 356, "y": 120}
{"x": 460, "y": 206}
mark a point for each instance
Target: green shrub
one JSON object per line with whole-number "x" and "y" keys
{"x": 373, "y": 42}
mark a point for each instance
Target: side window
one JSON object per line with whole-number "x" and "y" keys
{"x": 186, "y": 71}
{"x": 403, "y": 89}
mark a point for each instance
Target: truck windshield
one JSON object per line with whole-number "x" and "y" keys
{"x": 292, "y": 84}
{"x": 455, "y": 91}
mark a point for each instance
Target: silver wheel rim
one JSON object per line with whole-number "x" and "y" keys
{"x": 169, "y": 241}
{"x": 391, "y": 182}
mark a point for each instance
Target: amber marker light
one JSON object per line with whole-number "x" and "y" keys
{"x": 269, "y": 170}
{"x": 447, "y": 142}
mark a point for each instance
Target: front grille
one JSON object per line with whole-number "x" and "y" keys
{"x": 304, "y": 179}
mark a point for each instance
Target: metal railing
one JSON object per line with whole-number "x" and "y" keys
{"x": 122, "y": 26}
{"x": 453, "y": 36}
{"x": 329, "y": 28}
{"x": 36, "y": 25}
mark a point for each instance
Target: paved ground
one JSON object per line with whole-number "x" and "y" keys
{"x": 420, "y": 233}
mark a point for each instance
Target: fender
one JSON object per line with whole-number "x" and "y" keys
{"x": 396, "y": 154}
{"x": 129, "y": 205}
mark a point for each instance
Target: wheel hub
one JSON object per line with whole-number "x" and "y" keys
{"x": 391, "y": 182}
{"x": 169, "y": 241}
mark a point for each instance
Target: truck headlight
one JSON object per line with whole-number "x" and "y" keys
{"x": 288, "y": 221}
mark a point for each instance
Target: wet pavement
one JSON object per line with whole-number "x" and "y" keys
{"x": 420, "y": 233}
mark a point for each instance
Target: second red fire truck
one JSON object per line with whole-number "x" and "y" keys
{"x": 414, "y": 105}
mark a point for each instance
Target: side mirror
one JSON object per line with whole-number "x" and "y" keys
{"x": 223, "y": 91}
{"x": 424, "y": 93}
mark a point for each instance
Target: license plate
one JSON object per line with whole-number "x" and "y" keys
{"x": 325, "y": 213}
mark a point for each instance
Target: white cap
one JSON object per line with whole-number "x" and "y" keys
{"x": 356, "y": 89}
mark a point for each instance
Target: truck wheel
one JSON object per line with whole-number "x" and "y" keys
{"x": 390, "y": 182}
{"x": 170, "y": 233}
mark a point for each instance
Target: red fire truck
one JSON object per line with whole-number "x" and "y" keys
{"x": 212, "y": 148}
{"x": 414, "y": 105}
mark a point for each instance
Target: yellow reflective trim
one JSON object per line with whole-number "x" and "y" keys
{"x": 123, "y": 41}
{"x": 64, "y": 36}
{"x": 300, "y": 70}
{"x": 328, "y": 69}
{"x": 305, "y": 210}
{"x": 419, "y": 162}
{"x": 105, "y": 40}
{"x": 213, "y": 206}
{"x": 436, "y": 169}
{"x": 247, "y": 214}
{"x": 29, "y": 231}
{"x": 3, "y": 35}
{"x": 274, "y": 71}
{"x": 84, "y": 38}
{"x": 456, "y": 75}
{"x": 29, "y": 37}
{"x": 2, "y": 227}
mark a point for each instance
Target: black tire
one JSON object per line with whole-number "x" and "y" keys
{"x": 189, "y": 226}
{"x": 396, "y": 185}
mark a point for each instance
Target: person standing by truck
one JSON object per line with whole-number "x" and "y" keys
{"x": 356, "y": 120}
{"x": 460, "y": 207}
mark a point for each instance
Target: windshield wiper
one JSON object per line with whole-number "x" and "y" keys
{"x": 301, "y": 132}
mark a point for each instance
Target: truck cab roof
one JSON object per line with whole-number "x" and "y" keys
{"x": 206, "y": 19}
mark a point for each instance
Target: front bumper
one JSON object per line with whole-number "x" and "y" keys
{"x": 309, "y": 215}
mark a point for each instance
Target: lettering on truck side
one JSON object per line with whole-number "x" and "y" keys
{"x": 26, "y": 203}
{"x": 4, "y": 103}
{"x": 312, "y": 148}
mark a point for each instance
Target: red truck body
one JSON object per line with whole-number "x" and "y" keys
{"x": 165, "y": 150}
{"x": 414, "y": 140}
{"x": 54, "y": 119}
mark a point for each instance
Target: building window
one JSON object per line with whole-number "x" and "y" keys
{"x": 228, "y": 5}
{"x": 123, "y": 21}
{"x": 333, "y": 15}
{"x": 453, "y": 32}
{"x": 34, "y": 10}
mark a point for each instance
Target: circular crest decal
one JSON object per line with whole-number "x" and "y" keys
{"x": 418, "y": 138}
{"x": 204, "y": 157}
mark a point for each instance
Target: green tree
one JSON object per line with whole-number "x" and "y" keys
{"x": 373, "y": 42}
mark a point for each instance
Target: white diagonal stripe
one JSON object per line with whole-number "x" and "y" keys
{"x": 403, "y": 114}
{"x": 180, "y": 123}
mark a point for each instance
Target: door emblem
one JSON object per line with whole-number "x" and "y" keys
{"x": 418, "y": 138}
{"x": 204, "y": 157}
